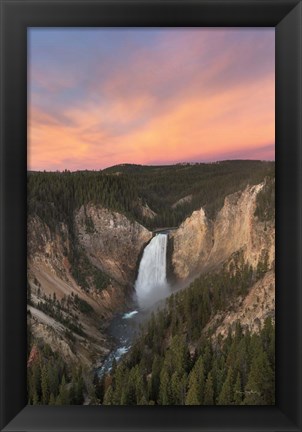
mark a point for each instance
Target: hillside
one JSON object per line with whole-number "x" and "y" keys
{"x": 213, "y": 343}
{"x": 128, "y": 189}
{"x": 86, "y": 235}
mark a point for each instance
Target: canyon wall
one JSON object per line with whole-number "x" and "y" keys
{"x": 112, "y": 242}
{"x": 58, "y": 311}
{"x": 200, "y": 245}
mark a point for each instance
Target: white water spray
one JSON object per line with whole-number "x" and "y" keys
{"x": 151, "y": 284}
{"x": 129, "y": 315}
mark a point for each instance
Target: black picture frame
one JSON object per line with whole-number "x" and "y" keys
{"x": 16, "y": 16}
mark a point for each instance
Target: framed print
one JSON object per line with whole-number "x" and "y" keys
{"x": 148, "y": 152}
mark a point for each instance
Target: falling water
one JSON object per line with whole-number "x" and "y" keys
{"x": 151, "y": 284}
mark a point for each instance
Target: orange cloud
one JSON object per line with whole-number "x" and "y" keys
{"x": 234, "y": 119}
{"x": 231, "y": 120}
{"x": 196, "y": 104}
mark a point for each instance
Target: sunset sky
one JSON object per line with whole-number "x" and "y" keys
{"x": 100, "y": 97}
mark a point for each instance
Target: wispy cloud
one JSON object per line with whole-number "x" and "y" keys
{"x": 102, "y": 97}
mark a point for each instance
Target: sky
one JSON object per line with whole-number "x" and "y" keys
{"x": 100, "y": 97}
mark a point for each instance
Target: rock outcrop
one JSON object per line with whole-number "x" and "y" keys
{"x": 50, "y": 269}
{"x": 200, "y": 245}
{"x": 182, "y": 201}
{"x": 192, "y": 243}
{"x": 251, "y": 311}
{"x": 146, "y": 212}
{"x": 237, "y": 228}
{"x": 112, "y": 242}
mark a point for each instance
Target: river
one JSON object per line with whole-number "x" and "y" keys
{"x": 151, "y": 286}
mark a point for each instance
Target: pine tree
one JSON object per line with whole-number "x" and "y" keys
{"x": 99, "y": 384}
{"x": 155, "y": 379}
{"x": 209, "y": 391}
{"x": 120, "y": 383}
{"x": 44, "y": 385}
{"x": 252, "y": 396}
{"x": 179, "y": 354}
{"x": 226, "y": 394}
{"x": 176, "y": 389}
{"x": 237, "y": 391}
{"x": 164, "y": 388}
{"x": 63, "y": 397}
{"x": 268, "y": 339}
{"x": 128, "y": 395}
{"x": 195, "y": 393}
{"x": 53, "y": 379}
{"x": 192, "y": 397}
{"x": 140, "y": 391}
{"x": 260, "y": 388}
{"x": 36, "y": 379}
{"x": 108, "y": 396}
{"x": 183, "y": 388}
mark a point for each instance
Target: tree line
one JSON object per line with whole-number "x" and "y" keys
{"x": 54, "y": 196}
{"x": 265, "y": 201}
{"x": 239, "y": 370}
{"x": 53, "y": 381}
{"x": 174, "y": 361}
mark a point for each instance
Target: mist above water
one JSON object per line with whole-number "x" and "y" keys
{"x": 151, "y": 283}
{"x": 151, "y": 286}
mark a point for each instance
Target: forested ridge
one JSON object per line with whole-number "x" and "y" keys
{"x": 55, "y": 196}
{"x": 207, "y": 183}
{"x": 52, "y": 381}
{"x": 239, "y": 370}
{"x": 125, "y": 188}
{"x": 175, "y": 362}
{"x": 265, "y": 201}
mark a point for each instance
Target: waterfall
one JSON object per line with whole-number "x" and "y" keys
{"x": 151, "y": 283}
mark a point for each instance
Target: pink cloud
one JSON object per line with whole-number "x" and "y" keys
{"x": 158, "y": 109}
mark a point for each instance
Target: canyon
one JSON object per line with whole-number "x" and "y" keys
{"x": 113, "y": 244}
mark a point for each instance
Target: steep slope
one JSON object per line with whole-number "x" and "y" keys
{"x": 192, "y": 243}
{"x": 214, "y": 342}
{"x": 112, "y": 242}
{"x": 183, "y": 356}
{"x": 251, "y": 310}
{"x": 72, "y": 302}
{"x": 84, "y": 251}
{"x": 200, "y": 244}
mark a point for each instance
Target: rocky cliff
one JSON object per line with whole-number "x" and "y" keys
{"x": 112, "y": 242}
{"x": 192, "y": 243}
{"x": 251, "y": 311}
{"x": 70, "y": 318}
{"x": 200, "y": 244}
